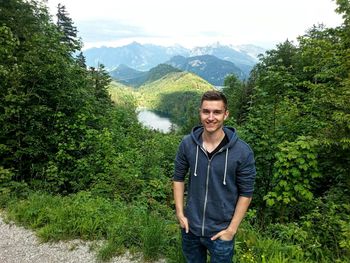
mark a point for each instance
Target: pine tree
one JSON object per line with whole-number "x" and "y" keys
{"x": 81, "y": 60}
{"x": 65, "y": 25}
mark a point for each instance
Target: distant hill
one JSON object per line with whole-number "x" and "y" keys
{"x": 152, "y": 93}
{"x": 128, "y": 76}
{"x": 209, "y": 67}
{"x": 135, "y": 78}
{"x": 144, "y": 57}
{"x": 160, "y": 71}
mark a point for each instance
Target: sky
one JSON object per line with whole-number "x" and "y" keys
{"x": 193, "y": 23}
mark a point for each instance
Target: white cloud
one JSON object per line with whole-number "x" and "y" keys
{"x": 194, "y": 22}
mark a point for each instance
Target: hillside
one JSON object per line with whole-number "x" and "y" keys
{"x": 134, "y": 78}
{"x": 210, "y": 68}
{"x": 179, "y": 82}
{"x": 122, "y": 95}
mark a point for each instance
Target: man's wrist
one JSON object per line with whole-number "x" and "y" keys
{"x": 180, "y": 214}
{"x": 232, "y": 230}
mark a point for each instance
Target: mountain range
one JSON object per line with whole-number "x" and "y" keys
{"x": 213, "y": 62}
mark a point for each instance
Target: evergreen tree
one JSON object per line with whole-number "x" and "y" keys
{"x": 65, "y": 25}
{"x": 81, "y": 60}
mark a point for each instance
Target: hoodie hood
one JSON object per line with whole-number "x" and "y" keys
{"x": 230, "y": 132}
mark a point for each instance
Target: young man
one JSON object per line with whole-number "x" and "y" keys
{"x": 220, "y": 186}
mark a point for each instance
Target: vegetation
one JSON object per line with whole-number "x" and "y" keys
{"x": 75, "y": 162}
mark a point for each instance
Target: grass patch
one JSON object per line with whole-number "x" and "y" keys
{"x": 121, "y": 227}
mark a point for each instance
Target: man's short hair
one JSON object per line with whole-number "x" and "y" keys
{"x": 214, "y": 95}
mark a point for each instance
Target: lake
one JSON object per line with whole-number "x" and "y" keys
{"x": 152, "y": 120}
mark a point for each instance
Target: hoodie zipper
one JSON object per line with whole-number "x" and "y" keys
{"x": 206, "y": 197}
{"x": 207, "y": 185}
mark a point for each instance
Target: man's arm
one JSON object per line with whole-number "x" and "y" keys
{"x": 179, "y": 188}
{"x": 240, "y": 211}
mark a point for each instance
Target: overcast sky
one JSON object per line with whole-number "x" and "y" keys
{"x": 196, "y": 22}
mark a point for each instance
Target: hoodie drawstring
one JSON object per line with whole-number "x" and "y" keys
{"x": 195, "y": 167}
{"x": 196, "y": 164}
{"x": 224, "y": 182}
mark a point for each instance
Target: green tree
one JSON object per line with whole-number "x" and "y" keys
{"x": 65, "y": 25}
{"x": 239, "y": 97}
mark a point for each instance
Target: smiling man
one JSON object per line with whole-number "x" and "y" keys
{"x": 221, "y": 178}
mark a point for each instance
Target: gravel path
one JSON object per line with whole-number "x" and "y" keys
{"x": 19, "y": 245}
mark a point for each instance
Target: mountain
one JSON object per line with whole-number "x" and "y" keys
{"x": 210, "y": 68}
{"x": 128, "y": 76}
{"x": 135, "y": 78}
{"x": 145, "y": 57}
{"x": 123, "y": 73}
{"x": 251, "y": 50}
{"x": 134, "y": 55}
{"x": 242, "y": 59}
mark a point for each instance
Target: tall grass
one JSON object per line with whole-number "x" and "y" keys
{"x": 252, "y": 246}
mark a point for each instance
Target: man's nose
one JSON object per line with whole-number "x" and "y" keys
{"x": 211, "y": 116}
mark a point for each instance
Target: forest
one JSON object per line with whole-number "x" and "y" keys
{"x": 76, "y": 163}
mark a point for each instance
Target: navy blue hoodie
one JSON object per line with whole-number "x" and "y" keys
{"x": 214, "y": 184}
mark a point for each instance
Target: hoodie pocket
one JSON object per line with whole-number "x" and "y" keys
{"x": 218, "y": 212}
{"x": 193, "y": 211}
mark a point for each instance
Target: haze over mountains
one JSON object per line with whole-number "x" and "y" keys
{"x": 130, "y": 63}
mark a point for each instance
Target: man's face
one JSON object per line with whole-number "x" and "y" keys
{"x": 212, "y": 114}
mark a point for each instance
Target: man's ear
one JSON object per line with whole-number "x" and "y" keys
{"x": 226, "y": 114}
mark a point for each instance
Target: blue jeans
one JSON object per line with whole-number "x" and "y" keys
{"x": 195, "y": 249}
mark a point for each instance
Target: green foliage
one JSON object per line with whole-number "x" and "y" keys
{"x": 123, "y": 96}
{"x": 327, "y": 227}
{"x": 294, "y": 171}
{"x": 239, "y": 97}
{"x": 50, "y": 106}
{"x": 253, "y": 246}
